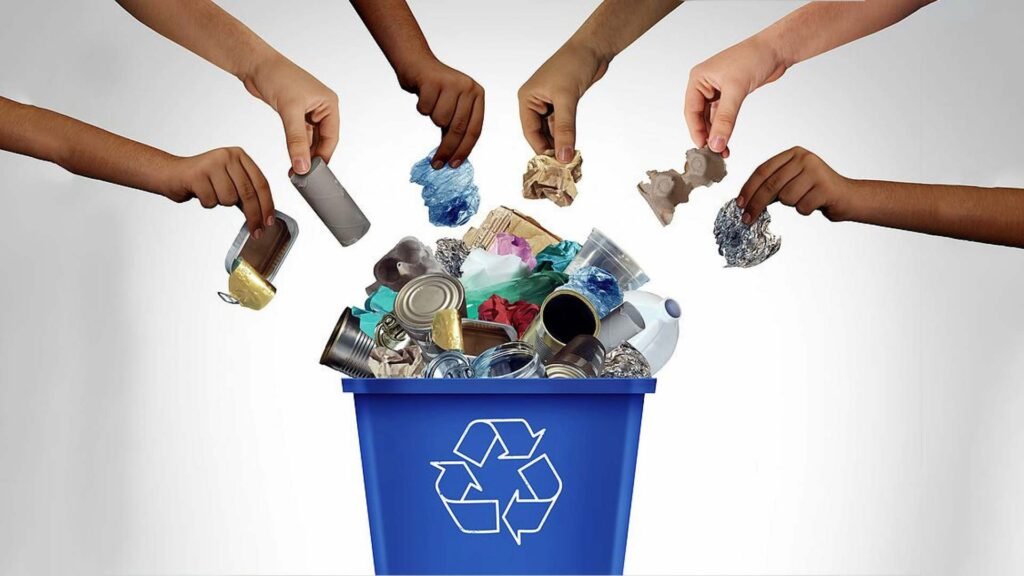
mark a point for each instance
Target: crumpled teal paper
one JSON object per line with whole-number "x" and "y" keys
{"x": 533, "y": 289}
{"x": 377, "y": 305}
{"x": 558, "y": 256}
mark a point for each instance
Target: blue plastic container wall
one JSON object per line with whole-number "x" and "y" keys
{"x": 499, "y": 476}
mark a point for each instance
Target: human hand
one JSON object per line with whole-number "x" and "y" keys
{"x": 308, "y": 109}
{"x": 223, "y": 177}
{"x": 453, "y": 101}
{"x": 548, "y": 100}
{"x": 718, "y": 86}
{"x": 797, "y": 178}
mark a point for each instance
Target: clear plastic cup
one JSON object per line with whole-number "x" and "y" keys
{"x": 600, "y": 251}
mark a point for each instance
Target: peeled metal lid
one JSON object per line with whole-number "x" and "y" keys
{"x": 422, "y": 297}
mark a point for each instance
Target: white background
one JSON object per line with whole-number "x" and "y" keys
{"x": 852, "y": 406}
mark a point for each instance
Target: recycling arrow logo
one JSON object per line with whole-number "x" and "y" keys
{"x": 480, "y": 509}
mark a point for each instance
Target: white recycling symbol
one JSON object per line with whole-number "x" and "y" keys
{"x": 526, "y": 511}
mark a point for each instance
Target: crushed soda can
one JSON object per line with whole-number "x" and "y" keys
{"x": 253, "y": 263}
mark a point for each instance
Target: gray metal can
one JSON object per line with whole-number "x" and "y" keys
{"x": 564, "y": 315}
{"x": 423, "y": 297}
{"x": 582, "y": 357}
{"x": 348, "y": 349}
{"x": 331, "y": 202}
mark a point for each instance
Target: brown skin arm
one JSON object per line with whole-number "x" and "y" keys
{"x": 801, "y": 179}
{"x": 452, "y": 100}
{"x": 221, "y": 177}
{"x": 81, "y": 148}
{"x": 990, "y": 215}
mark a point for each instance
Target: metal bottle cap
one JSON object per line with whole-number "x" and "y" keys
{"x": 348, "y": 349}
{"x": 423, "y": 297}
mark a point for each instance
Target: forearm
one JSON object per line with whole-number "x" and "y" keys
{"x": 396, "y": 32}
{"x": 821, "y": 26}
{"x": 205, "y": 29}
{"x": 81, "y": 148}
{"x": 616, "y": 24}
{"x": 991, "y": 215}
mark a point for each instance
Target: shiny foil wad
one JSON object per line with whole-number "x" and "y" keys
{"x": 625, "y": 361}
{"x": 744, "y": 246}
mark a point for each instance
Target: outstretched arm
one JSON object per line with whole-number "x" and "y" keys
{"x": 801, "y": 179}
{"x": 548, "y": 100}
{"x": 226, "y": 176}
{"x": 300, "y": 99}
{"x": 719, "y": 85}
{"x": 452, "y": 100}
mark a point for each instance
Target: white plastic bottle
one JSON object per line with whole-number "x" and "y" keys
{"x": 658, "y": 339}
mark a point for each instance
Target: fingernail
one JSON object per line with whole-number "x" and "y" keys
{"x": 717, "y": 144}
{"x": 565, "y": 154}
{"x": 741, "y": 201}
{"x": 258, "y": 233}
{"x": 455, "y": 163}
{"x": 300, "y": 165}
{"x": 747, "y": 218}
{"x": 270, "y": 220}
{"x": 436, "y": 164}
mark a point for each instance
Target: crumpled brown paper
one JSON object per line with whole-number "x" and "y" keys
{"x": 546, "y": 177}
{"x": 667, "y": 189}
{"x": 503, "y": 219}
{"x": 405, "y": 363}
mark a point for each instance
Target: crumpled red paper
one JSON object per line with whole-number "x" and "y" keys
{"x": 518, "y": 315}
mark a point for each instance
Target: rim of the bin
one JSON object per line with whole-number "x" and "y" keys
{"x": 498, "y": 386}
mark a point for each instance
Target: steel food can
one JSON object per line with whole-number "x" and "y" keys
{"x": 348, "y": 349}
{"x": 582, "y": 357}
{"x": 564, "y": 315}
{"x": 421, "y": 299}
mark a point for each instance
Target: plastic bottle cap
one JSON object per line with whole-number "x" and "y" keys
{"x": 673, "y": 309}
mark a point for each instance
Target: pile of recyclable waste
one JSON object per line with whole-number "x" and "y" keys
{"x": 508, "y": 300}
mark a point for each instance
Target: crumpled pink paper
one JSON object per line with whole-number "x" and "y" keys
{"x": 518, "y": 315}
{"x": 505, "y": 243}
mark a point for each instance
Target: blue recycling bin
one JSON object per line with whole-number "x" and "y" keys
{"x": 493, "y": 476}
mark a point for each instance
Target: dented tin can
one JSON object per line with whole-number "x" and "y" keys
{"x": 420, "y": 300}
{"x": 252, "y": 263}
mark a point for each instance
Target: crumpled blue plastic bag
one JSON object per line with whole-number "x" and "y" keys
{"x": 598, "y": 286}
{"x": 450, "y": 195}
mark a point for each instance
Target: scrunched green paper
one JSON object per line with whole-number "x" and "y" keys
{"x": 558, "y": 256}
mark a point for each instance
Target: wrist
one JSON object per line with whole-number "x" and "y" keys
{"x": 851, "y": 201}
{"x": 259, "y": 59}
{"x": 772, "y": 43}
{"x": 413, "y": 65}
{"x": 582, "y": 46}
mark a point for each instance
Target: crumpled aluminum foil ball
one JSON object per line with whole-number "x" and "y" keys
{"x": 625, "y": 361}
{"x": 451, "y": 253}
{"x": 744, "y": 246}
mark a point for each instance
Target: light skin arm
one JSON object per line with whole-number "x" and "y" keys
{"x": 226, "y": 176}
{"x": 548, "y": 100}
{"x": 718, "y": 86}
{"x": 801, "y": 179}
{"x": 452, "y": 100}
{"x": 308, "y": 109}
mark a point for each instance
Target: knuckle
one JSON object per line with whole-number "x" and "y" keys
{"x": 771, "y": 185}
{"x": 459, "y": 127}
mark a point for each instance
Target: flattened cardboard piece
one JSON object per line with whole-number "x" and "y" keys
{"x": 504, "y": 219}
